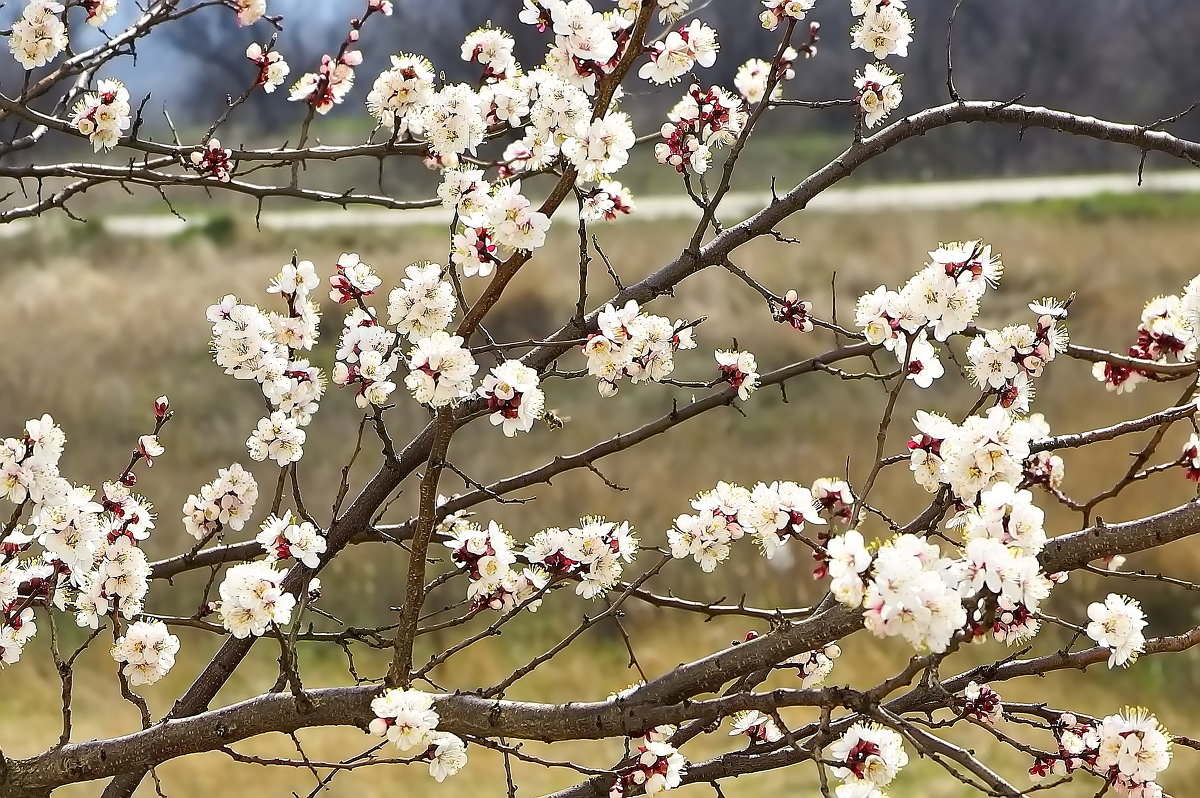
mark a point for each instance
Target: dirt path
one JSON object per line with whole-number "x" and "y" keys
{"x": 737, "y": 206}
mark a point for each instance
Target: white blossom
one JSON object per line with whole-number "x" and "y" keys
{"x": 253, "y": 599}
{"x": 1117, "y": 625}
{"x": 147, "y": 650}
{"x": 440, "y": 370}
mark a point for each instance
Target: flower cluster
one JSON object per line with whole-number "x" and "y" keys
{"x": 334, "y": 78}
{"x": 740, "y": 370}
{"x": 353, "y": 279}
{"x": 846, "y": 561}
{"x": 440, "y": 370}
{"x": 914, "y": 593}
{"x": 92, "y": 562}
{"x": 604, "y": 201}
{"x": 104, "y": 114}
{"x": 557, "y": 110}
{"x": 250, "y": 344}
{"x": 1007, "y": 515}
{"x": 330, "y": 84}
{"x": 754, "y": 76}
{"x": 226, "y": 502}
{"x": 587, "y": 44}
{"x": 940, "y": 300}
{"x": 213, "y": 161}
{"x": 488, "y": 557}
{"x": 277, "y": 437}
{"x": 868, "y": 755}
{"x": 659, "y": 767}
{"x": 29, "y": 464}
{"x": 408, "y": 720}
{"x": 493, "y": 50}
{"x": 629, "y": 343}
{"x": 1004, "y": 535}
{"x": 908, "y": 588}
{"x": 405, "y": 717}
{"x": 17, "y": 626}
{"x": 474, "y": 251}
{"x": 779, "y": 10}
{"x": 1008, "y": 360}
{"x": 777, "y": 514}
{"x": 1117, "y": 625}
{"x": 366, "y": 355}
{"x": 1129, "y": 750}
{"x": 272, "y": 69}
{"x": 147, "y": 650}
{"x": 1167, "y": 329}
{"x": 370, "y": 372}
{"x": 773, "y": 513}
{"x": 453, "y": 122}
{"x": 706, "y": 536}
{"x": 679, "y": 51}
{"x": 814, "y": 667}
{"x": 514, "y": 221}
{"x": 495, "y": 220}
{"x": 401, "y": 91}
{"x": 981, "y": 703}
{"x": 283, "y": 537}
{"x": 703, "y": 119}
{"x": 879, "y": 92}
{"x": 885, "y": 27}
{"x": 39, "y": 34}
{"x": 600, "y": 148}
{"x": 970, "y": 457}
{"x": 512, "y": 394}
{"x": 253, "y": 599}
{"x": 592, "y": 552}
{"x": 795, "y": 312}
{"x": 120, "y": 574}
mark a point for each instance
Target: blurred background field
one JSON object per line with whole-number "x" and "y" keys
{"x": 98, "y": 326}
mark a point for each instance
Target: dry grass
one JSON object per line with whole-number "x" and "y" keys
{"x": 97, "y": 328}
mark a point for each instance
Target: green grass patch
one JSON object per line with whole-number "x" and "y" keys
{"x": 1105, "y": 207}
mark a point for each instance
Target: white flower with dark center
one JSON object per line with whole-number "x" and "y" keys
{"x": 513, "y": 396}
{"x": 272, "y": 69}
{"x": 868, "y": 753}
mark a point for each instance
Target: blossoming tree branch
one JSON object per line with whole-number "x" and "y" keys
{"x": 976, "y": 566}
